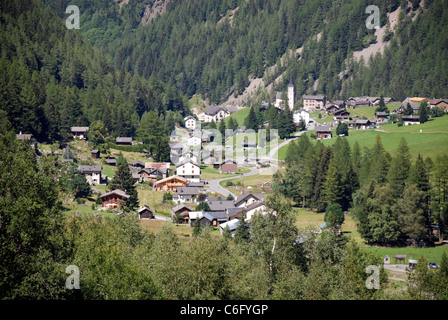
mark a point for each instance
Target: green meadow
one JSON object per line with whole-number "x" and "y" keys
{"x": 239, "y": 116}
{"x": 430, "y": 139}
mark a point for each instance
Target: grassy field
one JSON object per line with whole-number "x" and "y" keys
{"x": 432, "y": 141}
{"x": 306, "y": 219}
{"x": 250, "y": 180}
{"x": 153, "y": 199}
{"x": 239, "y": 116}
{"x": 369, "y": 112}
{"x": 154, "y": 226}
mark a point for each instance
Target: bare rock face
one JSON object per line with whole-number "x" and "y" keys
{"x": 152, "y": 12}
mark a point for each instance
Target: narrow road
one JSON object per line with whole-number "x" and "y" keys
{"x": 216, "y": 187}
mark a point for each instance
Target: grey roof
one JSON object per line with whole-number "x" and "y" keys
{"x": 188, "y": 190}
{"x": 312, "y": 97}
{"x": 381, "y": 113}
{"x": 24, "y": 136}
{"x": 195, "y": 184}
{"x": 87, "y": 169}
{"x": 79, "y": 129}
{"x": 181, "y": 206}
{"x": 278, "y": 95}
{"x": 362, "y": 121}
{"x": 123, "y": 139}
{"x": 111, "y": 160}
{"x": 144, "y": 208}
{"x": 138, "y": 163}
{"x": 117, "y": 192}
{"x": 245, "y": 195}
{"x": 411, "y": 117}
{"x": 323, "y": 129}
{"x": 220, "y": 216}
{"x": 300, "y": 110}
{"x": 232, "y": 224}
{"x": 220, "y": 205}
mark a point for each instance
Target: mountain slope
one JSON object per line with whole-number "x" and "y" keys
{"x": 215, "y": 48}
{"x": 52, "y": 78}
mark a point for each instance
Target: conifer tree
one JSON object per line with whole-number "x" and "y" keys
{"x": 123, "y": 180}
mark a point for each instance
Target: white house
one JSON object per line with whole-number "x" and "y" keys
{"x": 216, "y": 113}
{"x": 190, "y": 123}
{"x": 194, "y": 141}
{"x": 92, "y": 173}
{"x": 247, "y": 198}
{"x": 186, "y": 195}
{"x": 255, "y": 208}
{"x": 189, "y": 170}
{"x": 301, "y": 114}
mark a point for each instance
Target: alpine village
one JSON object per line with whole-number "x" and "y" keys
{"x": 224, "y": 150}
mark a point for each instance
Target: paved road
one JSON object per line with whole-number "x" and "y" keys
{"x": 216, "y": 187}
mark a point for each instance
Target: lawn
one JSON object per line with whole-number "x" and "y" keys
{"x": 306, "y": 219}
{"x": 433, "y": 254}
{"x": 369, "y": 112}
{"x": 432, "y": 141}
{"x": 154, "y": 226}
{"x": 210, "y": 173}
{"x": 250, "y": 180}
{"x": 240, "y": 116}
{"x": 153, "y": 199}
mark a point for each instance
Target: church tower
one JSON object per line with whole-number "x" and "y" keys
{"x": 290, "y": 94}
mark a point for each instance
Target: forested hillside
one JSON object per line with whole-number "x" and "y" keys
{"x": 52, "y": 78}
{"x": 214, "y": 48}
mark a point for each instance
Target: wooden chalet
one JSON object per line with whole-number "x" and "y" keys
{"x": 114, "y": 199}
{"x": 95, "y": 154}
{"x": 182, "y": 210}
{"x": 170, "y": 184}
{"x": 341, "y": 115}
{"x": 412, "y": 119}
{"x": 381, "y": 116}
{"x": 79, "y": 132}
{"x": 145, "y": 213}
{"x": 124, "y": 141}
{"x": 324, "y": 132}
{"x": 362, "y": 124}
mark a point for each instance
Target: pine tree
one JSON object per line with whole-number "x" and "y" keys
{"x": 251, "y": 121}
{"x": 123, "y": 180}
{"x": 331, "y": 188}
{"x": 318, "y": 199}
{"x": 399, "y": 168}
{"x": 423, "y": 112}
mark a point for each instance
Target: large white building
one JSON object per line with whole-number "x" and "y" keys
{"x": 216, "y": 113}
{"x": 313, "y": 103}
{"x": 301, "y": 114}
{"x": 189, "y": 170}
